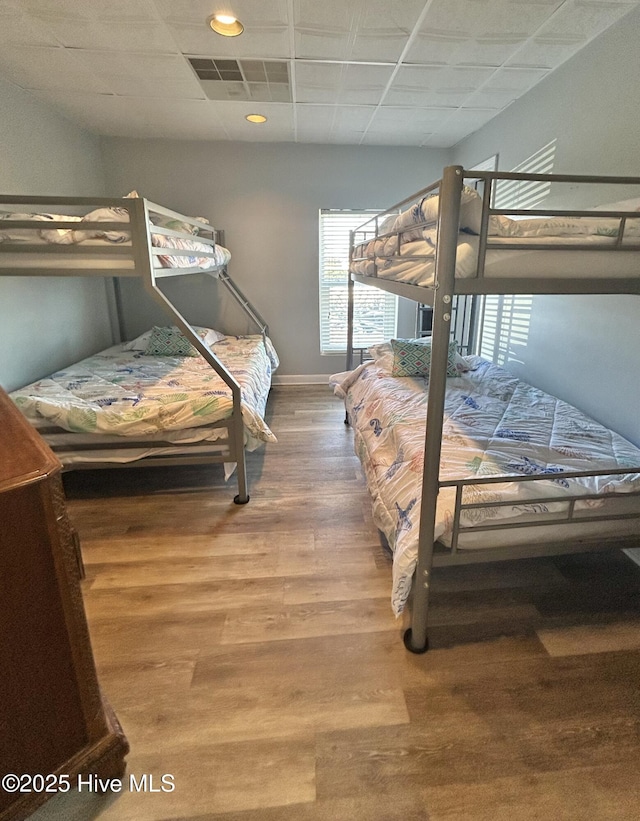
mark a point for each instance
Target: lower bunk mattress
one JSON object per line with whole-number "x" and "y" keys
{"x": 494, "y": 425}
{"x": 128, "y": 402}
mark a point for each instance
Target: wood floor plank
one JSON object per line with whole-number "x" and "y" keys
{"x": 208, "y": 780}
{"x": 304, "y": 621}
{"x": 591, "y": 638}
{"x": 154, "y": 638}
{"x": 189, "y": 597}
{"x": 251, "y": 652}
{"x": 242, "y": 711}
{"x": 603, "y": 793}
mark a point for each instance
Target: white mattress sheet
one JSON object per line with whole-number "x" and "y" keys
{"x": 495, "y": 425}
{"x": 528, "y": 262}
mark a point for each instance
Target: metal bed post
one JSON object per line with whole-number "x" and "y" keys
{"x": 350, "y": 298}
{"x": 140, "y": 227}
{"x": 415, "y": 638}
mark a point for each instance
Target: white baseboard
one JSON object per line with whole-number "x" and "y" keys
{"x": 302, "y": 379}
{"x": 634, "y": 554}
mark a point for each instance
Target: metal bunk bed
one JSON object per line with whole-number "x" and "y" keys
{"x": 440, "y": 295}
{"x": 137, "y": 257}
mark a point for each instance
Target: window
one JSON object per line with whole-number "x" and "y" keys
{"x": 375, "y": 311}
{"x": 505, "y": 319}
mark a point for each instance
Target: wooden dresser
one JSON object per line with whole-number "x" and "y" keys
{"x": 53, "y": 718}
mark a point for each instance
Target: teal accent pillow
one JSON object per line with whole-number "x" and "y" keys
{"x": 412, "y": 358}
{"x": 169, "y": 342}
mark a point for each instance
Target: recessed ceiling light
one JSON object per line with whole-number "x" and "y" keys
{"x": 226, "y": 25}
{"x": 256, "y": 118}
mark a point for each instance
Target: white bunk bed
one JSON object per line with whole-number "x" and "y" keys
{"x": 133, "y": 237}
{"x": 448, "y": 240}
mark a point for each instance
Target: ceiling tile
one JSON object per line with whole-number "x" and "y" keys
{"x": 157, "y": 67}
{"x": 570, "y": 29}
{"x": 16, "y": 28}
{"x": 477, "y": 32}
{"x": 478, "y": 18}
{"x": 120, "y": 35}
{"x": 373, "y": 30}
{"x": 373, "y": 137}
{"x": 250, "y": 12}
{"x": 142, "y": 10}
{"x": 340, "y": 83}
{"x": 462, "y": 122}
{"x": 409, "y": 120}
{"x": 139, "y": 117}
{"x": 266, "y": 33}
{"x": 505, "y": 86}
{"x": 440, "y": 86}
{"x": 149, "y": 87}
{"x": 120, "y": 67}
{"x": 385, "y": 28}
{"x": 324, "y": 123}
{"x": 259, "y": 42}
{"x": 456, "y": 49}
{"x": 279, "y": 121}
{"x": 48, "y": 68}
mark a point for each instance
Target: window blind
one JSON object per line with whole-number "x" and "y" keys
{"x": 505, "y": 319}
{"x": 375, "y": 311}
{"x": 527, "y": 193}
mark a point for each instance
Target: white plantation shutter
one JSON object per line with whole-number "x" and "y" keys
{"x": 375, "y": 311}
{"x": 504, "y": 323}
{"x": 527, "y": 193}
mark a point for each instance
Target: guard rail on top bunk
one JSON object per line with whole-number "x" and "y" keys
{"x": 134, "y": 257}
{"x": 440, "y": 295}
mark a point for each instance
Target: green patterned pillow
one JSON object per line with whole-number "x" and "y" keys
{"x": 412, "y": 358}
{"x": 169, "y": 342}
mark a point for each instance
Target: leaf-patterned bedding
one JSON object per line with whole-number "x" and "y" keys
{"x": 127, "y": 393}
{"x": 494, "y": 425}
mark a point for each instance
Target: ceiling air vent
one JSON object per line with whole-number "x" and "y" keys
{"x": 245, "y": 80}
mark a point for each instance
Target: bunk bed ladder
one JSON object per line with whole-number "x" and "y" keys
{"x": 242, "y": 300}
{"x": 236, "y": 428}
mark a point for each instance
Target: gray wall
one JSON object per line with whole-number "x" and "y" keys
{"x": 583, "y": 349}
{"x": 266, "y": 198}
{"x": 46, "y": 324}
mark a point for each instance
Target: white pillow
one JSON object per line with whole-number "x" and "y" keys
{"x": 470, "y": 209}
{"x": 207, "y": 335}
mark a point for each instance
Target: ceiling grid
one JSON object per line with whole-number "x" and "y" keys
{"x": 357, "y": 72}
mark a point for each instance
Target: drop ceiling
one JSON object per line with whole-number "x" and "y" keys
{"x": 358, "y": 72}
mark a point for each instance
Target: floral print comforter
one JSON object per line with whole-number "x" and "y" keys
{"x": 128, "y": 393}
{"x": 494, "y": 425}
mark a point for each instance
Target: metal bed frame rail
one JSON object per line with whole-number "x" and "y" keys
{"x": 568, "y": 500}
{"x": 440, "y": 296}
{"x": 139, "y": 255}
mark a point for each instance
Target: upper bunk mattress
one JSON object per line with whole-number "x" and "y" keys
{"x": 128, "y": 393}
{"x": 93, "y": 247}
{"x": 525, "y": 262}
{"x": 405, "y": 244}
{"x": 494, "y": 425}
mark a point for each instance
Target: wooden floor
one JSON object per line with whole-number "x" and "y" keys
{"x": 251, "y": 653}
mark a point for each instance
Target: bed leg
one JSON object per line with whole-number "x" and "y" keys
{"x": 241, "y": 474}
{"x": 346, "y": 418}
{"x": 408, "y": 644}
